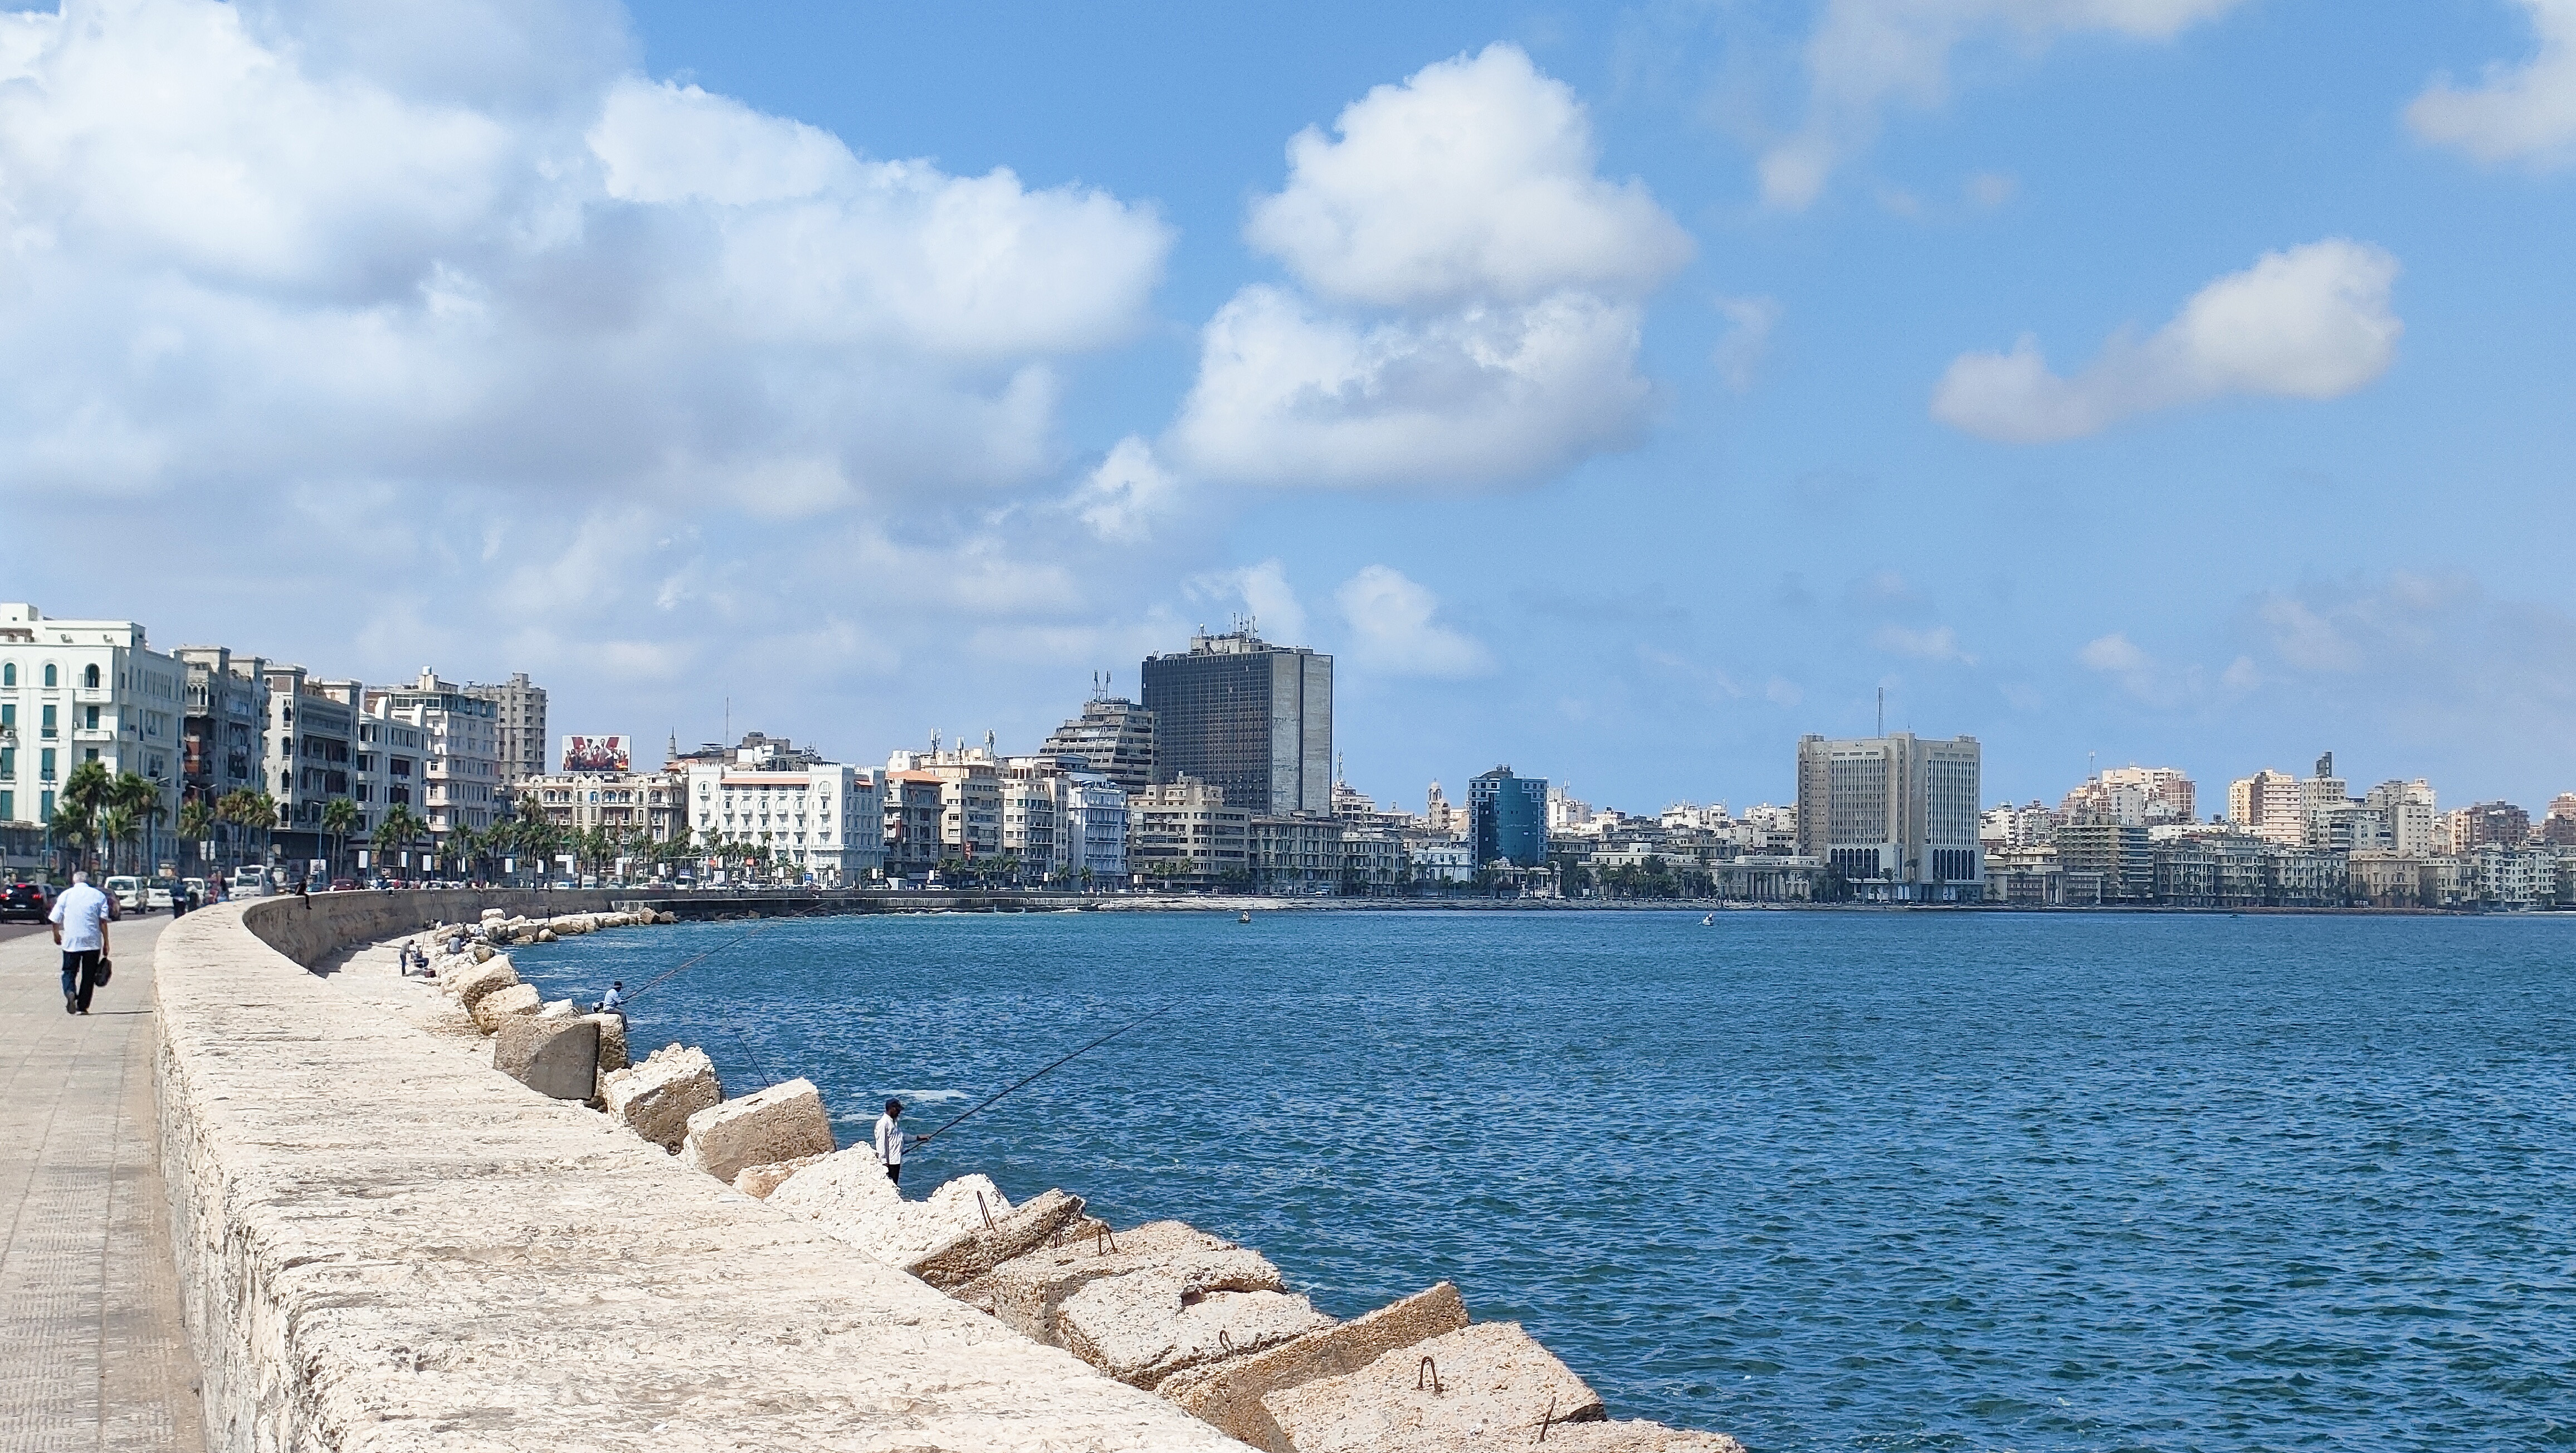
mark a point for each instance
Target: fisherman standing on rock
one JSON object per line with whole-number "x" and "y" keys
{"x": 890, "y": 1139}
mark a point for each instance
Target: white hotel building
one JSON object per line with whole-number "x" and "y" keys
{"x": 822, "y": 817}
{"x": 87, "y": 691}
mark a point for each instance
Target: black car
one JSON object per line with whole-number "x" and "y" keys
{"x": 31, "y": 901}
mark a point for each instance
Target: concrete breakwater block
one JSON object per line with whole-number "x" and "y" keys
{"x": 1496, "y": 1384}
{"x": 964, "y": 1258}
{"x": 1229, "y": 1394}
{"x": 656, "y": 1098}
{"x": 1635, "y": 1435}
{"x": 502, "y": 1004}
{"x": 612, "y": 1042}
{"x": 1143, "y": 1327}
{"x": 849, "y": 1195}
{"x": 757, "y": 1181}
{"x": 782, "y": 1122}
{"x": 469, "y": 982}
{"x": 556, "y": 1056}
{"x": 1026, "y": 1292}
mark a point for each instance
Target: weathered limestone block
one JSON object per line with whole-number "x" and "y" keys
{"x": 501, "y": 1004}
{"x": 1025, "y": 1292}
{"x": 1229, "y": 1394}
{"x": 782, "y": 1122}
{"x": 656, "y": 1098}
{"x": 545, "y": 935}
{"x": 1143, "y": 1327}
{"x": 961, "y": 1259}
{"x": 552, "y": 1055}
{"x": 1496, "y": 1385}
{"x": 1635, "y": 1435}
{"x": 556, "y": 1009}
{"x": 612, "y": 1041}
{"x": 470, "y": 985}
{"x": 757, "y": 1181}
{"x": 491, "y": 915}
{"x": 482, "y": 953}
{"x": 848, "y": 1193}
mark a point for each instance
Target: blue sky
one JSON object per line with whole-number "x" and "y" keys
{"x": 607, "y": 345}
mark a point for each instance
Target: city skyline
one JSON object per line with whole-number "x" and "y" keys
{"x": 1824, "y": 380}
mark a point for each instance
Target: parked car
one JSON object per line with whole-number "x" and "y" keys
{"x": 157, "y": 893}
{"x": 196, "y": 891}
{"x": 249, "y": 883}
{"x": 125, "y": 891}
{"x": 31, "y": 901}
{"x": 344, "y": 885}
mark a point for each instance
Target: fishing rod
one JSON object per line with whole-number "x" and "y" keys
{"x": 689, "y": 963}
{"x": 1025, "y": 1080}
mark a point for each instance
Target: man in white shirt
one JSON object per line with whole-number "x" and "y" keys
{"x": 80, "y": 926}
{"x": 890, "y": 1138}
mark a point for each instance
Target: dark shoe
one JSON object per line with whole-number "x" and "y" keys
{"x": 71, "y": 1005}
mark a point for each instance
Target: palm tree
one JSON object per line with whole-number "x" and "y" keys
{"x": 396, "y": 831}
{"x": 139, "y": 798}
{"x": 117, "y": 828}
{"x": 196, "y": 820}
{"x": 340, "y": 817}
{"x": 76, "y": 812}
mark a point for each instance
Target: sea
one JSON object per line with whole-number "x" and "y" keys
{"x": 1820, "y": 1179}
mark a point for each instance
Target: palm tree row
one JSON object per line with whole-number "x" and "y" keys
{"x": 97, "y": 811}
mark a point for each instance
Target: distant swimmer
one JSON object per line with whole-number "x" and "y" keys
{"x": 890, "y": 1139}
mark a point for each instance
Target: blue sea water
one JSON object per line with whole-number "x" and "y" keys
{"x": 1823, "y": 1180}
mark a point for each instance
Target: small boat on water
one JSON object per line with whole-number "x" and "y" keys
{"x": 1709, "y": 920}
{"x": 1244, "y": 917}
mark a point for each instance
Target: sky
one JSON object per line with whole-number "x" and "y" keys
{"x": 1617, "y": 392}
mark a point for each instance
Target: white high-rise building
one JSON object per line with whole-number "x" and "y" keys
{"x": 2409, "y": 820}
{"x": 2268, "y": 805}
{"x": 1896, "y": 816}
{"x": 462, "y": 782}
{"x": 74, "y": 691}
{"x": 823, "y": 820}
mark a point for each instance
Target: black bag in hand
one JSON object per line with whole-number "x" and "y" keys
{"x": 98, "y": 976}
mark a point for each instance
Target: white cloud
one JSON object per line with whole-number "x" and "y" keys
{"x": 1465, "y": 203}
{"x": 1393, "y": 629}
{"x": 1748, "y": 338}
{"x": 2525, "y": 112}
{"x": 1939, "y": 643}
{"x": 1265, "y": 593}
{"x": 1498, "y": 393}
{"x": 2312, "y": 322}
{"x": 1128, "y": 494}
{"x": 1868, "y": 54}
{"x": 285, "y": 243}
{"x": 1473, "y": 180}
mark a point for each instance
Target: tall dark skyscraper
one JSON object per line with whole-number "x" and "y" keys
{"x": 1253, "y": 719}
{"x": 1507, "y": 818}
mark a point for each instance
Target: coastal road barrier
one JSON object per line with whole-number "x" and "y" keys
{"x": 385, "y": 1244}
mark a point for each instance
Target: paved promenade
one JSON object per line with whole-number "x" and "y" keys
{"x": 92, "y": 1354}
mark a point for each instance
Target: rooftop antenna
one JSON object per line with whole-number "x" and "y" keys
{"x": 1882, "y": 711}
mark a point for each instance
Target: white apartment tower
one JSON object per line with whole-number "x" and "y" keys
{"x": 519, "y": 726}
{"x": 87, "y": 691}
{"x": 461, "y": 784}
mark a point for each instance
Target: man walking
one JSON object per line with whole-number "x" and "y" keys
{"x": 80, "y": 926}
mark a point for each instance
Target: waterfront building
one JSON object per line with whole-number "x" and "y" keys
{"x": 1768, "y": 878}
{"x": 1440, "y": 816}
{"x": 74, "y": 691}
{"x": 1565, "y": 812}
{"x": 223, "y": 736}
{"x": 1766, "y": 828}
{"x": 1441, "y": 857}
{"x": 462, "y": 774}
{"x": 820, "y": 821}
{"x": 2383, "y": 879}
{"x": 1186, "y": 834}
{"x": 969, "y": 785}
{"x": 390, "y": 768}
{"x": 2267, "y": 805}
{"x": 2123, "y": 855}
{"x": 519, "y": 728}
{"x": 2025, "y": 877}
{"x": 1895, "y": 816}
{"x": 1294, "y": 854}
{"x": 312, "y": 744}
{"x": 2559, "y": 826}
{"x": 646, "y": 807}
{"x": 2306, "y": 878}
{"x": 2409, "y": 820}
{"x": 1034, "y": 808}
{"x": 2132, "y": 796}
{"x": 1507, "y": 818}
{"x": 1113, "y": 736}
{"x": 1094, "y": 830}
{"x": 2488, "y": 824}
{"x": 1252, "y": 720}
{"x": 2513, "y": 878}
{"x": 911, "y": 804}
{"x": 2210, "y": 870}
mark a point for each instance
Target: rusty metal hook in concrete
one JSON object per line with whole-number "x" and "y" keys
{"x": 1547, "y": 1419}
{"x": 1224, "y": 1342}
{"x": 985, "y": 1211}
{"x": 1104, "y": 1243}
{"x": 1431, "y": 1370}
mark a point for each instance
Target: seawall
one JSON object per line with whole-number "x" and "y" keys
{"x": 383, "y": 1243}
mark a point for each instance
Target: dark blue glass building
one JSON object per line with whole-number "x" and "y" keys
{"x": 1507, "y": 819}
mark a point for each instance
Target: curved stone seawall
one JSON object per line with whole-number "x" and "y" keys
{"x": 385, "y": 1244}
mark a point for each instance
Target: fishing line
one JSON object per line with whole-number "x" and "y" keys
{"x": 689, "y": 963}
{"x": 1058, "y": 1064}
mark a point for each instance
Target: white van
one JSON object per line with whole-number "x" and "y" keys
{"x": 126, "y": 892}
{"x": 248, "y": 883}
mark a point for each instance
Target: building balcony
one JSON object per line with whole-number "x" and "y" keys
{"x": 93, "y": 696}
{"x": 93, "y": 734}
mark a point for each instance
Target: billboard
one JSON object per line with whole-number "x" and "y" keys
{"x": 594, "y": 754}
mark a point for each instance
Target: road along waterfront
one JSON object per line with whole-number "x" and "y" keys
{"x": 1819, "y": 1180}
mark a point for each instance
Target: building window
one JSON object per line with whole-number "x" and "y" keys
{"x": 8, "y": 673}
{"x": 89, "y": 677}
{"x": 50, "y": 679}
{"x": 47, "y": 727}
{"x": 45, "y": 771}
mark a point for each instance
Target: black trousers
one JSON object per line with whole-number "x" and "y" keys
{"x": 80, "y": 973}
{"x": 894, "y": 1172}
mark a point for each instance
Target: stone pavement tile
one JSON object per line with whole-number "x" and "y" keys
{"x": 92, "y": 1351}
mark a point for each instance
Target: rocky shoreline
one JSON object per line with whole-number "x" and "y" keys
{"x": 1204, "y": 1323}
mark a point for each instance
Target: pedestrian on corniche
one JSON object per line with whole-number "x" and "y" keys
{"x": 80, "y": 927}
{"x": 890, "y": 1138}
